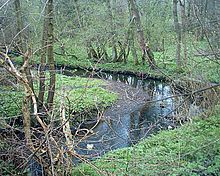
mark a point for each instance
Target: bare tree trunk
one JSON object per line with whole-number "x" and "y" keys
{"x": 178, "y": 34}
{"x": 50, "y": 56}
{"x": 22, "y": 43}
{"x": 43, "y": 62}
{"x": 131, "y": 34}
{"x": 114, "y": 49}
{"x": 146, "y": 51}
{"x": 26, "y": 103}
{"x": 27, "y": 117}
{"x": 189, "y": 15}
{"x": 183, "y": 19}
{"x": 22, "y": 78}
{"x": 203, "y": 13}
{"x": 132, "y": 45}
{"x": 20, "y": 27}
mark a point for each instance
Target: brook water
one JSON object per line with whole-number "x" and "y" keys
{"x": 128, "y": 129}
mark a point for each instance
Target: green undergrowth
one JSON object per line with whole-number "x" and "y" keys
{"x": 83, "y": 93}
{"x": 10, "y": 101}
{"x": 80, "y": 94}
{"x": 191, "y": 150}
{"x": 200, "y": 68}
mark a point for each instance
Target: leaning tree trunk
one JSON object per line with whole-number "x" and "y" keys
{"x": 67, "y": 132}
{"x": 178, "y": 34}
{"x": 146, "y": 51}
{"x": 50, "y": 56}
{"x": 21, "y": 76}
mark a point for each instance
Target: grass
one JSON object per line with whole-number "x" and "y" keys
{"x": 193, "y": 149}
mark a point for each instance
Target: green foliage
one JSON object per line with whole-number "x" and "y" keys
{"x": 10, "y": 102}
{"x": 192, "y": 149}
{"x": 158, "y": 23}
{"x": 165, "y": 62}
{"x": 84, "y": 93}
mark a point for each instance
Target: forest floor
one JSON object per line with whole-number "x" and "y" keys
{"x": 166, "y": 65}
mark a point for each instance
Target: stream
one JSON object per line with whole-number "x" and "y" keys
{"x": 128, "y": 129}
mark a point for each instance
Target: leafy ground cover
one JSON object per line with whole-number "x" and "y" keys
{"x": 198, "y": 67}
{"x": 80, "y": 94}
{"x": 193, "y": 149}
{"x": 84, "y": 93}
{"x": 10, "y": 101}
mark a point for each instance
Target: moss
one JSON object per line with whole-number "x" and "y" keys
{"x": 192, "y": 149}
